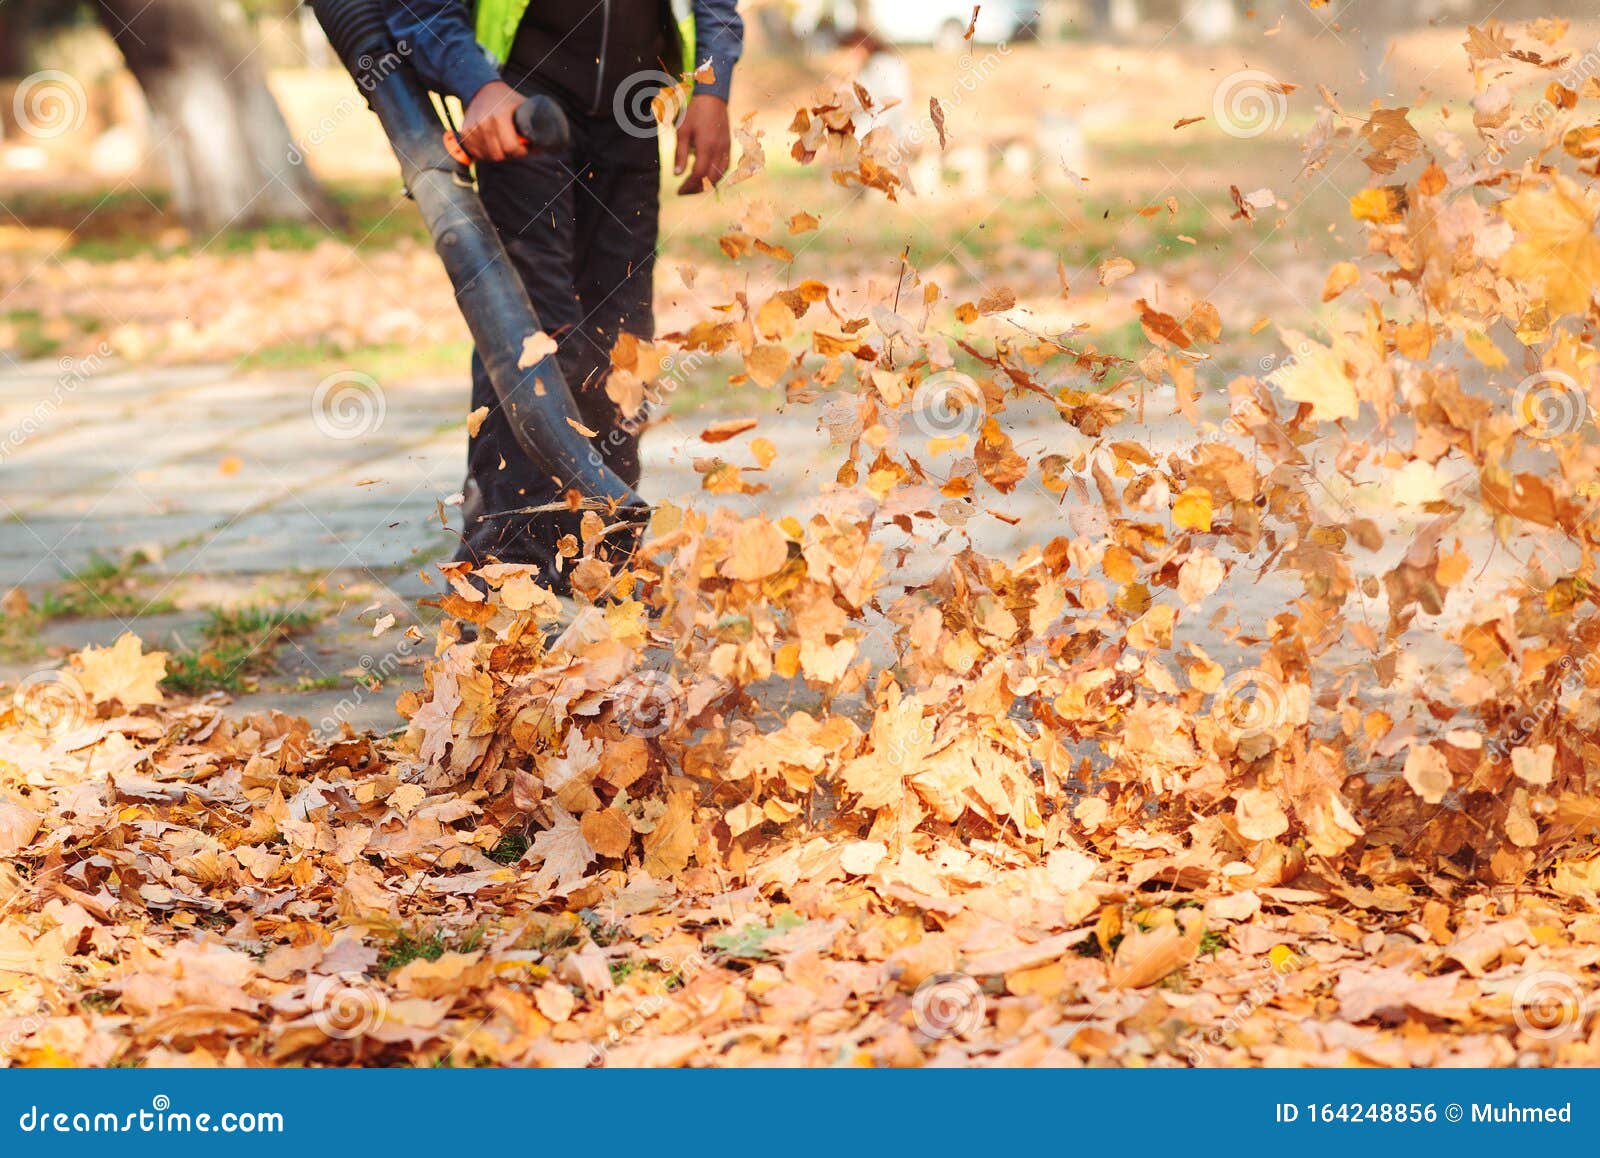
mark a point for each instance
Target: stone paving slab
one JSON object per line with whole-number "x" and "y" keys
{"x": 303, "y": 518}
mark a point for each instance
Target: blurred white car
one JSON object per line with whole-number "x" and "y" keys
{"x": 944, "y": 22}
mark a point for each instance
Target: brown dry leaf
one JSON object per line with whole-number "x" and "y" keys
{"x": 668, "y": 846}
{"x": 936, "y": 115}
{"x": 723, "y": 431}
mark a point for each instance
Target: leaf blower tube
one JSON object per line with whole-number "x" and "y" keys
{"x": 536, "y": 398}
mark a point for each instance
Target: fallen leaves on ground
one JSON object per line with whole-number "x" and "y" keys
{"x": 769, "y": 797}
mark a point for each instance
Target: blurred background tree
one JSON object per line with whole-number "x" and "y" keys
{"x": 216, "y": 125}
{"x": 227, "y": 145}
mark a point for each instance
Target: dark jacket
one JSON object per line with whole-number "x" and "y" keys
{"x": 585, "y": 48}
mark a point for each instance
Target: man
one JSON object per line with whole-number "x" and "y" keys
{"x": 581, "y": 228}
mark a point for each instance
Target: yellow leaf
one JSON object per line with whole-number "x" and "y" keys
{"x": 1192, "y": 509}
{"x": 1316, "y": 374}
{"x": 1556, "y": 243}
{"x": 1383, "y": 205}
{"x": 123, "y": 672}
{"x": 1340, "y": 278}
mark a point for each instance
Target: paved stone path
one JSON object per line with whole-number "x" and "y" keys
{"x": 283, "y": 489}
{"x": 299, "y": 492}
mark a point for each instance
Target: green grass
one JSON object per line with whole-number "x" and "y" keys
{"x": 25, "y": 333}
{"x": 510, "y": 848}
{"x": 237, "y": 647}
{"x": 103, "y": 587}
{"x": 408, "y": 947}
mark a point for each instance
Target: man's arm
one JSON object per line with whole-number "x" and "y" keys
{"x": 718, "y": 37}
{"x": 703, "y": 132}
{"x": 437, "y": 37}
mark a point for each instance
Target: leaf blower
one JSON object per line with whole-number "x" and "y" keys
{"x": 536, "y": 398}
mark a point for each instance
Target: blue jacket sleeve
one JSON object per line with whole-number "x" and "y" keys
{"x": 719, "y": 36}
{"x": 437, "y": 38}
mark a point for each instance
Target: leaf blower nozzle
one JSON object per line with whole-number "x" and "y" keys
{"x": 535, "y": 398}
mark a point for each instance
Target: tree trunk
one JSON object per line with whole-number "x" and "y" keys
{"x": 233, "y": 163}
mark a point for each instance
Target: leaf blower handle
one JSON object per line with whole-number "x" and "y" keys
{"x": 540, "y": 123}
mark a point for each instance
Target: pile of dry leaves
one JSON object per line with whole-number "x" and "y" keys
{"x": 776, "y": 794}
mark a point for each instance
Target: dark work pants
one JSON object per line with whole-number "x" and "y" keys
{"x": 581, "y": 231}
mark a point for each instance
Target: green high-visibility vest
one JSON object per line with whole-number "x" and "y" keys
{"x": 497, "y": 23}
